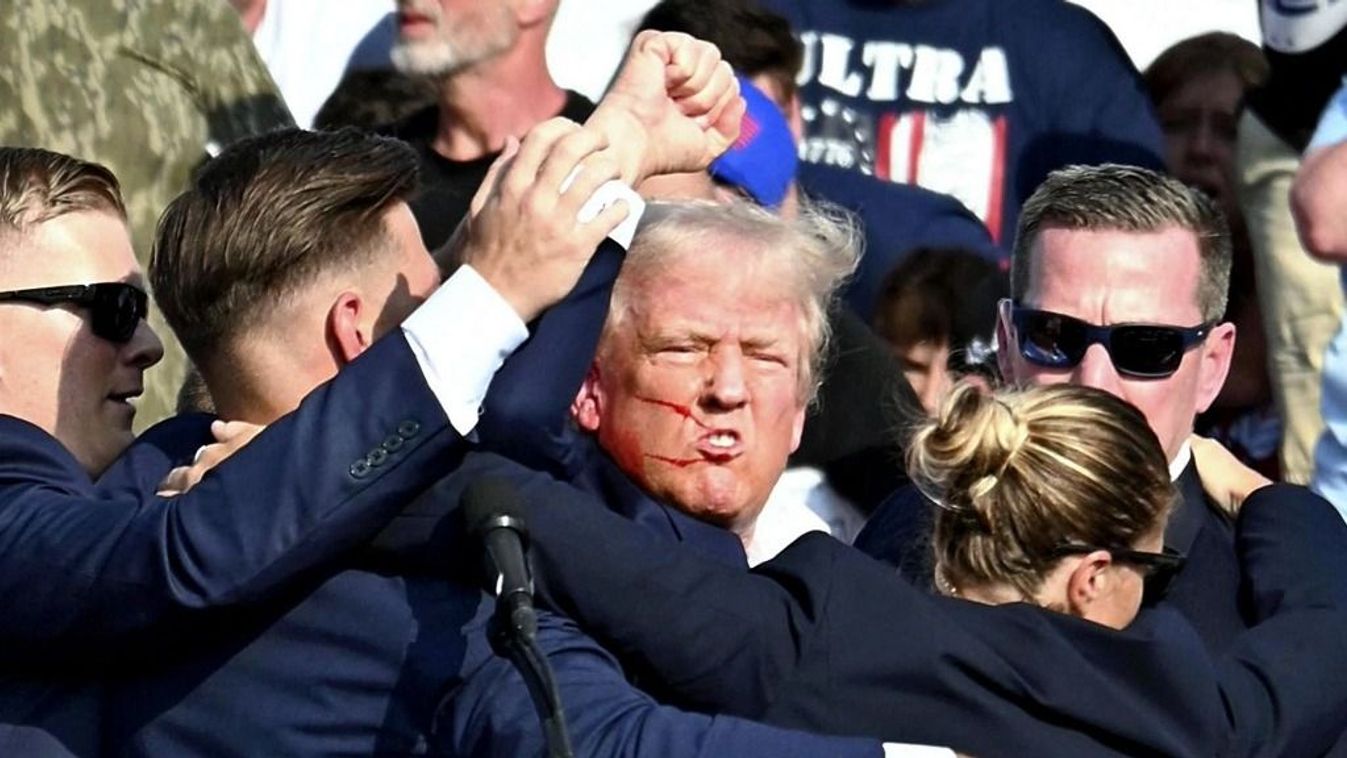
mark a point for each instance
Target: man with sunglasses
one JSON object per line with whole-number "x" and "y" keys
{"x": 1119, "y": 281}
{"x": 86, "y": 570}
{"x": 294, "y": 256}
{"x": 92, "y": 571}
{"x": 94, "y": 567}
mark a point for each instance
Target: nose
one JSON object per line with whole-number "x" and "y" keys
{"x": 145, "y": 349}
{"x": 1096, "y": 370}
{"x": 932, "y": 386}
{"x": 1202, "y": 142}
{"x": 725, "y": 385}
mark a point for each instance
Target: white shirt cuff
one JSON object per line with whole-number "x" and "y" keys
{"x": 460, "y": 336}
{"x": 607, "y": 194}
{"x": 904, "y": 750}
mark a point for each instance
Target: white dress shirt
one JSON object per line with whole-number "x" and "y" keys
{"x": 463, "y": 332}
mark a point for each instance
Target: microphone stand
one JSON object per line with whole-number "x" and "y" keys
{"x": 490, "y": 509}
{"x": 519, "y": 644}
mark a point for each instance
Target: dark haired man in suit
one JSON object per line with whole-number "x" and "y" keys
{"x": 89, "y": 571}
{"x": 289, "y": 259}
{"x": 1119, "y": 282}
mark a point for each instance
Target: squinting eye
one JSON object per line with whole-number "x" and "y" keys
{"x": 679, "y": 353}
{"x": 773, "y": 358}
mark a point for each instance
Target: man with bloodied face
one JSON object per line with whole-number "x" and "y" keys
{"x": 710, "y": 354}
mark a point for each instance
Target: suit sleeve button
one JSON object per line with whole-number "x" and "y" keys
{"x": 359, "y": 469}
{"x": 392, "y": 443}
{"x": 376, "y": 457}
{"x": 408, "y": 429}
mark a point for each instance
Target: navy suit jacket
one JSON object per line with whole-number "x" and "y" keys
{"x": 355, "y": 659}
{"x": 825, "y": 638}
{"x": 1206, "y": 590}
{"x": 88, "y": 573}
{"x": 362, "y": 662}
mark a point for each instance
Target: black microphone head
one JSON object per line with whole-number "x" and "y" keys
{"x": 492, "y": 502}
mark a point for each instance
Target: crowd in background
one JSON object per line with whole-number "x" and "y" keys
{"x": 853, "y": 296}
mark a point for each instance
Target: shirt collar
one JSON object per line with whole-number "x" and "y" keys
{"x": 1180, "y": 461}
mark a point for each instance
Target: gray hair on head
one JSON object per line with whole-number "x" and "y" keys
{"x": 816, "y": 253}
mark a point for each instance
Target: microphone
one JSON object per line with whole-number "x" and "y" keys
{"x": 493, "y": 514}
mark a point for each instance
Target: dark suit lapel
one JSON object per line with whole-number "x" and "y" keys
{"x": 623, "y": 495}
{"x": 1189, "y": 513}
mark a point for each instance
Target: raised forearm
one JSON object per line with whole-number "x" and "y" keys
{"x": 1319, "y": 203}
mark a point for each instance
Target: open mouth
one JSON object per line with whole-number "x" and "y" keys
{"x": 720, "y": 444}
{"x": 715, "y": 447}
{"x": 126, "y": 398}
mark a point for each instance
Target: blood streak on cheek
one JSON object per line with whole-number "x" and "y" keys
{"x": 625, "y": 447}
{"x": 684, "y": 411}
{"x": 679, "y": 462}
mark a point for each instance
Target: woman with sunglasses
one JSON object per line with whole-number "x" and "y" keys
{"x": 1030, "y": 507}
{"x": 1053, "y": 502}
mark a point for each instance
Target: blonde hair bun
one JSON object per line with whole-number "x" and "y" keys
{"x": 1017, "y": 473}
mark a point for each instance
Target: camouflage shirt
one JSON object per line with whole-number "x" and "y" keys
{"x": 143, "y": 87}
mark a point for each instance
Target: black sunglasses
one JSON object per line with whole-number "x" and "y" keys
{"x": 1157, "y": 569}
{"x": 115, "y": 308}
{"x": 1146, "y": 351}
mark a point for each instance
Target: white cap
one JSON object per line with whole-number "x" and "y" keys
{"x": 1297, "y": 26}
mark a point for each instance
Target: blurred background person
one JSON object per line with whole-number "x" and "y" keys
{"x": 1318, "y": 198}
{"x": 1198, "y": 87}
{"x": 309, "y": 44}
{"x": 487, "y": 61}
{"x": 938, "y": 313}
{"x": 1306, "y": 49}
{"x": 147, "y": 88}
{"x": 974, "y": 98}
{"x": 895, "y": 218}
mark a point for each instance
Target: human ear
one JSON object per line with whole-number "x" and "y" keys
{"x": 347, "y": 334}
{"x": 588, "y": 405}
{"x": 795, "y": 118}
{"x": 531, "y": 12}
{"x": 1215, "y": 356}
{"x": 1005, "y": 345}
{"x": 797, "y": 428}
{"x": 1089, "y": 584}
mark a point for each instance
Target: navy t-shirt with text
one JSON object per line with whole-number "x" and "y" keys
{"x": 979, "y": 99}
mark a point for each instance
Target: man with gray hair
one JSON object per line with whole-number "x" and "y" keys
{"x": 707, "y": 362}
{"x": 1119, "y": 280}
{"x": 487, "y": 60}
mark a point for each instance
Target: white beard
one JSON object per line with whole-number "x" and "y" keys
{"x": 453, "y": 49}
{"x": 430, "y": 58}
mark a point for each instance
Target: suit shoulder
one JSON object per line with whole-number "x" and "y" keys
{"x": 187, "y": 427}
{"x": 29, "y": 455}
{"x": 1279, "y": 503}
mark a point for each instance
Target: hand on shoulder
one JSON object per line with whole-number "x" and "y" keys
{"x": 1225, "y": 479}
